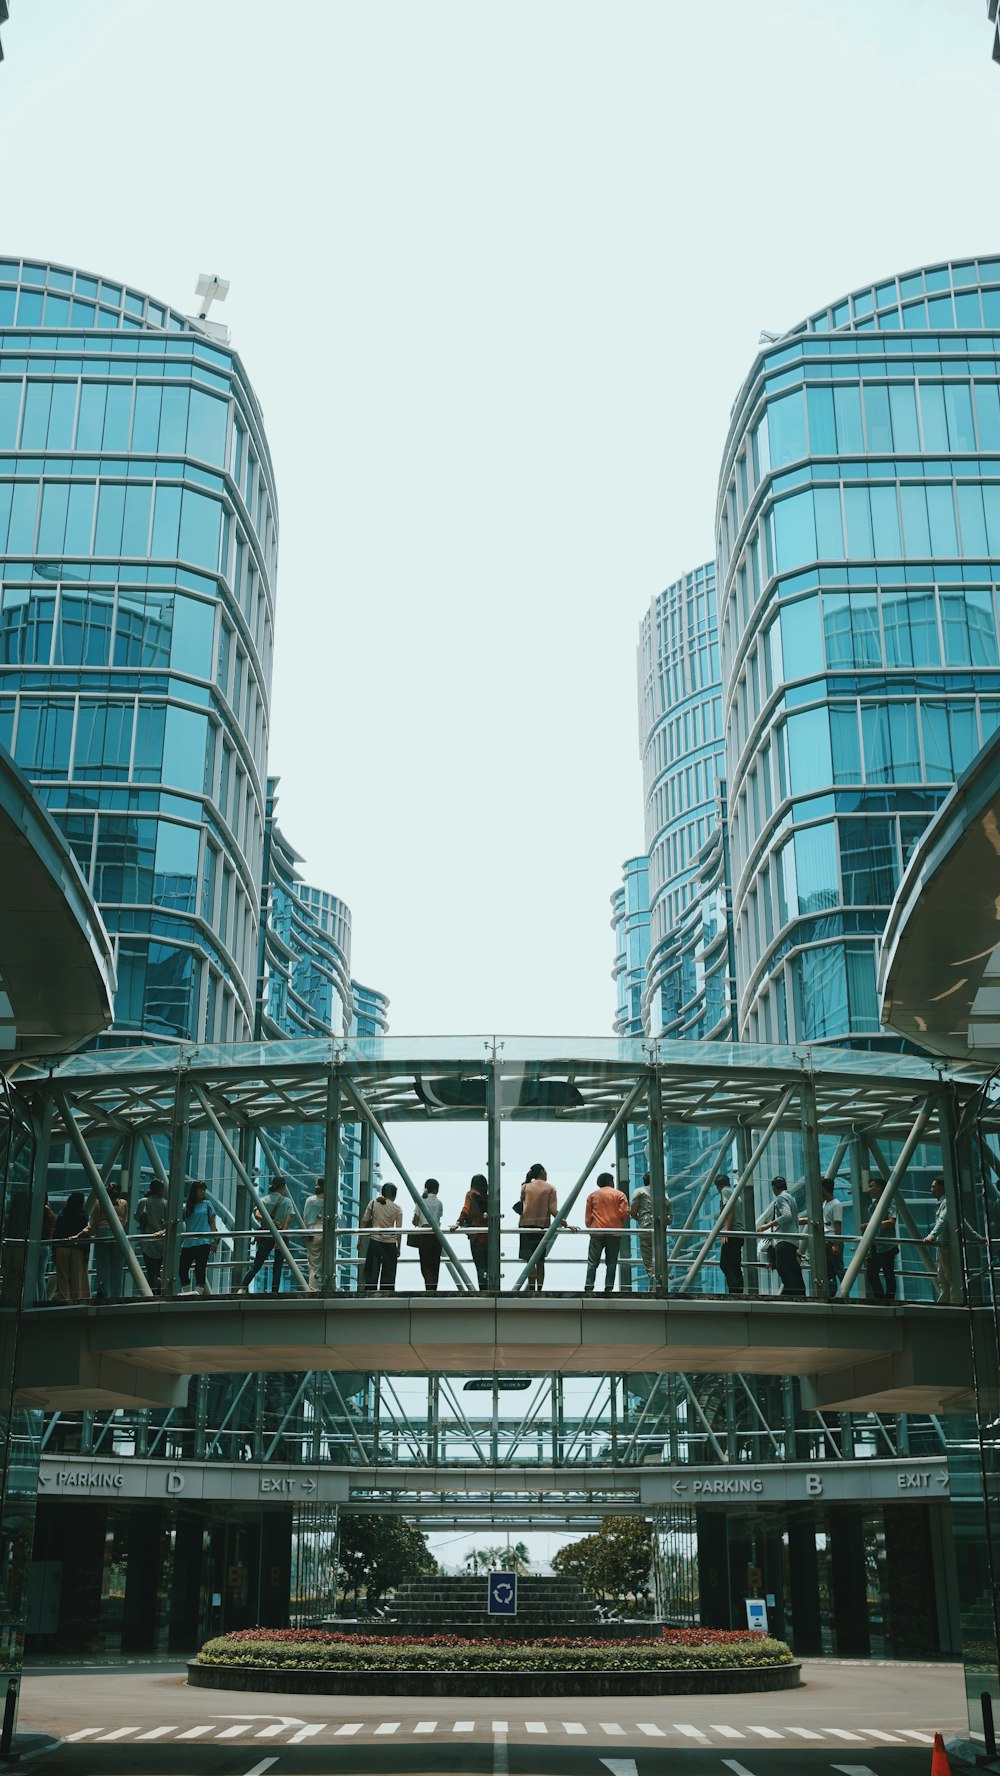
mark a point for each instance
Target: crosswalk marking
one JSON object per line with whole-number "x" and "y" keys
{"x": 499, "y": 1726}
{"x": 425, "y": 1727}
{"x": 854, "y": 1769}
{"x": 234, "y": 1732}
{"x": 611, "y": 1727}
{"x": 84, "y": 1733}
{"x": 388, "y": 1727}
{"x": 729, "y": 1732}
{"x": 689, "y": 1732}
{"x": 119, "y": 1733}
{"x": 574, "y": 1727}
{"x": 349, "y": 1727}
{"x": 535, "y": 1727}
{"x": 463, "y": 1726}
{"x": 805, "y": 1733}
{"x": 921, "y": 1738}
{"x": 765, "y": 1732}
{"x": 306, "y": 1733}
{"x": 842, "y": 1733}
{"x": 155, "y": 1733}
{"x": 194, "y": 1732}
{"x": 889, "y": 1738}
{"x": 651, "y": 1731}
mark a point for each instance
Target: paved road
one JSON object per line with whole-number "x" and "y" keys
{"x": 860, "y": 1719}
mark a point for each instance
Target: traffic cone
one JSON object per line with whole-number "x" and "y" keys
{"x": 939, "y": 1758}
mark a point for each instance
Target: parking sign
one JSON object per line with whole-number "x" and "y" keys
{"x": 502, "y": 1599}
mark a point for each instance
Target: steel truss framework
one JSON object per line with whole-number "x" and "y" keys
{"x": 146, "y": 1107}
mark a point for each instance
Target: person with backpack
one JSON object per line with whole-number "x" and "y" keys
{"x": 280, "y": 1210}
{"x": 151, "y": 1220}
{"x": 475, "y": 1219}
{"x": 385, "y": 1218}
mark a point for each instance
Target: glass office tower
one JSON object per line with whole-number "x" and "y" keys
{"x": 858, "y": 552}
{"x": 138, "y": 541}
{"x": 630, "y": 924}
{"x": 680, "y": 728}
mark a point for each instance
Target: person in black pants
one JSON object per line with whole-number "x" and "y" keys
{"x": 880, "y": 1269}
{"x": 731, "y": 1247}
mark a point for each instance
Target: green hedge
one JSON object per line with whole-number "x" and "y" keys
{"x": 447, "y": 1653}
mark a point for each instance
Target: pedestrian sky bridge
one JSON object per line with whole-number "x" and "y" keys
{"x": 240, "y": 1114}
{"x": 848, "y": 1356}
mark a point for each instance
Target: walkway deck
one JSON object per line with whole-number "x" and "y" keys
{"x": 850, "y": 1356}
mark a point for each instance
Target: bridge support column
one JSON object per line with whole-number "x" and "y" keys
{"x": 331, "y": 1185}
{"x": 657, "y": 1184}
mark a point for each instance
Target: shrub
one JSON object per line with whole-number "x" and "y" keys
{"x": 675, "y": 1649}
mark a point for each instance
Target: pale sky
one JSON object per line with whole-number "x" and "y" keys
{"x": 497, "y": 274}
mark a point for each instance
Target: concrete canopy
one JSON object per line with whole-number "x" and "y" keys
{"x": 939, "y": 976}
{"x": 57, "y": 976}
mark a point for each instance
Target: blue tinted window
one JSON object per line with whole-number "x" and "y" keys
{"x": 916, "y": 532}
{"x": 10, "y": 407}
{"x": 110, "y": 512}
{"x": 885, "y": 521}
{"x": 44, "y": 734}
{"x": 207, "y": 427}
{"x": 940, "y": 312}
{"x": 786, "y": 424}
{"x": 903, "y": 408}
{"x": 847, "y": 405}
{"x": 193, "y": 636}
{"x": 149, "y": 725}
{"x": 991, "y": 308}
{"x": 846, "y": 745}
{"x": 61, "y": 416}
{"x": 829, "y": 524}
{"x": 201, "y": 520}
{"x": 83, "y": 314}
{"x": 910, "y": 623}
{"x": 933, "y": 416}
{"x": 876, "y": 398}
{"x": 912, "y": 285}
{"x": 173, "y": 421}
{"x": 967, "y": 310}
{"x": 820, "y": 993}
{"x": 35, "y": 424}
{"x": 90, "y": 424}
{"x": 57, "y": 311}
{"x": 135, "y": 532}
{"x": 79, "y": 518}
{"x": 937, "y": 742}
{"x": 859, "y": 523}
{"x": 885, "y": 294}
{"x": 23, "y": 508}
{"x": 915, "y": 317}
{"x": 52, "y": 525}
{"x": 7, "y": 301}
{"x": 822, "y": 429}
{"x": 87, "y": 285}
{"x": 991, "y": 504}
{"x": 29, "y": 309}
{"x": 972, "y": 519}
{"x": 118, "y": 416}
{"x": 958, "y": 407}
{"x": 941, "y": 516}
{"x": 166, "y": 522}
{"x": 103, "y": 741}
{"x": 809, "y": 751}
{"x": 800, "y": 637}
{"x": 987, "y": 395}
{"x": 146, "y": 417}
{"x": 794, "y": 531}
{"x": 817, "y": 880}
{"x": 863, "y": 303}
{"x": 891, "y": 747}
{"x": 185, "y": 738}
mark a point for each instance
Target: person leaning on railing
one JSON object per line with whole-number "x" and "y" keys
{"x": 780, "y": 1222}
{"x": 381, "y": 1224}
{"x": 474, "y": 1218}
{"x": 641, "y": 1211}
{"x": 198, "y": 1240}
{"x": 71, "y": 1245}
{"x": 426, "y": 1239}
{"x": 880, "y": 1269}
{"x": 312, "y": 1220}
{"x": 606, "y": 1214}
{"x": 730, "y": 1245}
{"x": 535, "y": 1208}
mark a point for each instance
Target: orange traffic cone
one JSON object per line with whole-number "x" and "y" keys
{"x": 939, "y": 1758}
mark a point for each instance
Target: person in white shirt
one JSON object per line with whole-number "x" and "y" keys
{"x": 427, "y": 1242}
{"x": 938, "y": 1238}
{"x": 312, "y": 1217}
{"x": 833, "y": 1233}
{"x": 781, "y": 1221}
{"x": 384, "y": 1218}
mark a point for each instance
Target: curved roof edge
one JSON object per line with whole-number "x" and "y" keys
{"x": 57, "y": 972}
{"x": 939, "y": 969}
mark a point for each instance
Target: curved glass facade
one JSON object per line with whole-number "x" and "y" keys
{"x": 859, "y": 554}
{"x": 630, "y": 924}
{"x": 138, "y": 540}
{"x": 681, "y": 736}
{"x": 306, "y": 982}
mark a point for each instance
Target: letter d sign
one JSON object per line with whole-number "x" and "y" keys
{"x": 175, "y": 1482}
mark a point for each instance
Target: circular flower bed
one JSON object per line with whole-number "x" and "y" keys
{"x": 316, "y": 1649}
{"x": 678, "y": 1660}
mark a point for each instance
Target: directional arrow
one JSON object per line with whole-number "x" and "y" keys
{"x": 680, "y": 1486}
{"x": 621, "y": 1766}
{"x": 308, "y": 1485}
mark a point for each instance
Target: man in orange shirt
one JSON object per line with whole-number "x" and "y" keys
{"x": 607, "y": 1212}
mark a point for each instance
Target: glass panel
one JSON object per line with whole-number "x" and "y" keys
{"x": 794, "y": 531}
{"x": 146, "y": 419}
{"x": 822, "y": 426}
{"x": 201, "y": 520}
{"x": 173, "y": 422}
{"x": 207, "y": 427}
{"x": 988, "y": 414}
{"x": 958, "y": 408}
{"x": 876, "y": 398}
{"x": 937, "y": 742}
{"x": 23, "y": 509}
{"x": 941, "y": 516}
{"x": 916, "y": 531}
{"x": 829, "y": 524}
{"x": 90, "y": 424}
{"x": 816, "y": 868}
{"x": 821, "y": 994}
{"x": 185, "y": 737}
{"x": 166, "y": 522}
{"x": 35, "y": 424}
{"x": 972, "y": 519}
{"x": 193, "y": 636}
{"x": 809, "y": 751}
{"x": 932, "y": 414}
{"x": 885, "y": 522}
{"x": 135, "y": 535}
{"x": 857, "y": 512}
{"x": 118, "y": 416}
{"x": 10, "y": 407}
{"x": 847, "y": 406}
{"x": 52, "y": 525}
{"x": 110, "y": 513}
{"x": 903, "y": 408}
{"x": 910, "y": 623}
{"x": 786, "y": 424}
{"x": 846, "y": 744}
{"x": 61, "y": 416}
{"x": 80, "y": 518}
